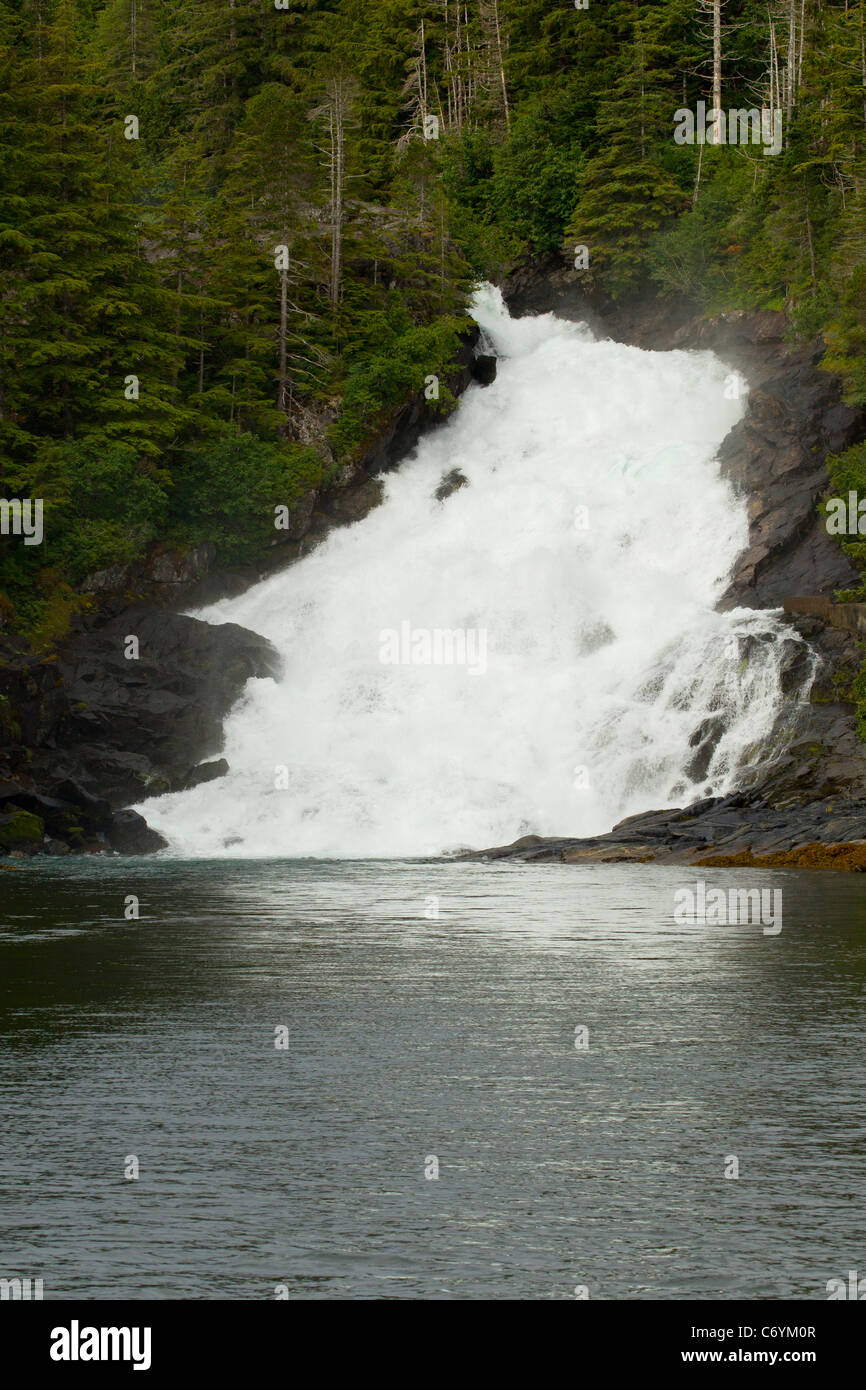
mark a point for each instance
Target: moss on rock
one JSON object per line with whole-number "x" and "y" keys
{"x": 848, "y": 856}
{"x": 20, "y": 830}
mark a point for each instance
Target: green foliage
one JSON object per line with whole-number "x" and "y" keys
{"x": 102, "y": 504}
{"x": 399, "y": 367}
{"x": 305, "y": 129}
{"x": 858, "y": 695}
{"x": 229, "y": 487}
{"x": 848, "y": 474}
{"x": 694, "y": 255}
{"x": 535, "y": 178}
{"x": 626, "y": 190}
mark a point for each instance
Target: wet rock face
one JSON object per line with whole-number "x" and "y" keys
{"x": 777, "y": 455}
{"x": 704, "y": 740}
{"x": 344, "y": 508}
{"x": 145, "y": 722}
{"x": 169, "y": 570}
{"x": 90, "y": 730}
{"x": 198, "y": 776}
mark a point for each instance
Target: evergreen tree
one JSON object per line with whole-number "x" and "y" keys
{"x": 626, "y": 191}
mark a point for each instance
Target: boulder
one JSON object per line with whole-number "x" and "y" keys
{"x": 20, "y": 830}
{"x": 484, "y": 369}
{"x": 134, "y": 727}
{"x": 59, "y": 818}
{"x": 94, "y": 812}
{"x": 205, "y": 772}
{"x": 450, "y": 483}
{"x": 129, "y": 833}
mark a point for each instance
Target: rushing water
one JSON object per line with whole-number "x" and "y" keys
{"x": 580, "y": 565}
{"x": 412, "y": 1036}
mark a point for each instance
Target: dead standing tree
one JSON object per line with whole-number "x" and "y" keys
{"x": 710, "y": 18}
{"x": 496, "y": 43}
{"x": 336, "y": 115}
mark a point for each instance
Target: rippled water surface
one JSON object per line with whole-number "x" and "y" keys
{"x": 414, "y": 1035}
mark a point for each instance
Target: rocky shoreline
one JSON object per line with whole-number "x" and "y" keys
{"x": 85, "y": 732}
{"x": 720, "y": 832}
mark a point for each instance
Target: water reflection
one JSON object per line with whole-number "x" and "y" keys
{"x": 431, "y": 1010}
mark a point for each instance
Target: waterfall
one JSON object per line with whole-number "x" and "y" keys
{"x": 536, "y": 651}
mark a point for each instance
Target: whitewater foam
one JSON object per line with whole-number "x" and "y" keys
{"x": 589, "y": 545}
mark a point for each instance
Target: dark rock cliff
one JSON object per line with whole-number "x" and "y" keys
{"x": 91, "y": 729}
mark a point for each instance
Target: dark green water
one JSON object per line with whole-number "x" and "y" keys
{"x": 412, "y": 1036}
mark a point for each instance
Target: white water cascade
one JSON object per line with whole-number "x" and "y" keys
{"x": 578, "y": 566}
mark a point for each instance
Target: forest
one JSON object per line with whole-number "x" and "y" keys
{"x": 235, "y": 234}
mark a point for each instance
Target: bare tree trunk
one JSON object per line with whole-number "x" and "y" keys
{"x": 811, "y": 246}
{"x": 422, "y": 73}
{"x": 775, "y": 96}
{"x": 717, "y": 68}
{"x": 459, "y": 96}
{"x": 282, "y": 394}
{"x": 501, "y": 61}
{"x": 337, "y": 239}
{"x": 791, "y": 66}
{"x": 337, "y": 109}
{"x": 469, "y": 97}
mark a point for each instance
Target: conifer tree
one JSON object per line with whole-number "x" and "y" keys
{"x": 626, "y": 191}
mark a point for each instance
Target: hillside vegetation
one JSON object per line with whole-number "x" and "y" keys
{"x": 235, "y": 234}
